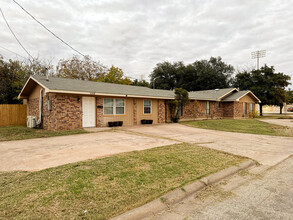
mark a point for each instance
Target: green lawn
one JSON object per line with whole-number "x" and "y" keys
{"x": 109, "y": 186}
{"x": 251, "y": 126}
{"x": 10, "y": 133}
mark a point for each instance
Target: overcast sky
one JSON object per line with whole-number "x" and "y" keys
{"x": 136, "y": 34}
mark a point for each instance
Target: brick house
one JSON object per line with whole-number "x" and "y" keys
{"x": 64, "y": 104}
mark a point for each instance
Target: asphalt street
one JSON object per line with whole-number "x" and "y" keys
{"x": 266, "y": 195}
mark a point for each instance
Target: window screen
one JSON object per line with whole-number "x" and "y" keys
{"x": 207, "y": 107}
{"x": 120, "y": 106}
{"x": 147, "y": 106}
{"x": 108, "y": 106}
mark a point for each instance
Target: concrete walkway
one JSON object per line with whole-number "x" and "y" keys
{"x": 283, "y": 122}
{"x": 267, "y": 150}
{"x": 261, "y": 197}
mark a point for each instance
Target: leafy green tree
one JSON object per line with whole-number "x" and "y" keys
{"x": 289, "y": 96}
{"x": 143, "y": 83}
{"x": 181, "y": 99}
{"x": 200, "y": 75}
{"x": 115, "y": 75}
{"x": 14, "y": 74}
{"x": 207, "y": 74}
{"x": 278, "y": 97}
{"x": 267, "y": 85}
{"x": 12, "y": 78}
{"x": 167, "y": 75}
{"x": 84, "y": 69}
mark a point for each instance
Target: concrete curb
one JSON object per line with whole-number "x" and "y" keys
{"x": 178, "y": 195}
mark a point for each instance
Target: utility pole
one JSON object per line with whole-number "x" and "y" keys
{"x": 258, "y": 54}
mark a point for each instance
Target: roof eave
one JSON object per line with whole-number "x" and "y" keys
{"x": 249, "y": 92}
{"x": 20, "y": 96}
{"x": 220, "y": 98}
{"x": 106, "y": 94}
{"x": 202, "y": 99}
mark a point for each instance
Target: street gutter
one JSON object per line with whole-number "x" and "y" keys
{"x": 177, "y": 195}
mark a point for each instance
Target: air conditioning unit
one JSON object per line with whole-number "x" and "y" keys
{"x": 31, "y": 121}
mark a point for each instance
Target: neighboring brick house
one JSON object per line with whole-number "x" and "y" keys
{"x": 71, "y": 104}
{"x": 219, "y": 103}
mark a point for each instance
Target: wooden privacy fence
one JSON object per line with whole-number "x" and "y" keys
{"x": 12, "y": 114}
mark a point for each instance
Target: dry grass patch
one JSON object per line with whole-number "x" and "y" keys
{"x": 10, "y": 133}
{"x": 109, "y": 186}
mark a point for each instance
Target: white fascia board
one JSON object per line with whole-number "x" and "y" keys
{"x": 31, "y": 78}
{"x": 228, "y": 93}
{"x": 19, "y": 95}
{"x": 214, "y": 100}
{"x": 248, "y": 92}
{"x": 105, "y": 94}
{"x": 255, "y": 97}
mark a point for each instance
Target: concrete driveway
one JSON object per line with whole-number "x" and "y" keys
{"x": 41, "y": 153}
{"x": 267, "y": 150}
{"x": 37, "y": 154}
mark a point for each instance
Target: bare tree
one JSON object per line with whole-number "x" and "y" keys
{"x": 84, "y": 69}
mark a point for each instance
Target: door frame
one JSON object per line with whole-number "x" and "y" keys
{"x": 95, "y": 113}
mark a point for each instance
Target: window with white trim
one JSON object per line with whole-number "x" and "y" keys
{"x": 114, "y": 106}
{"x": 244, "y": 108}
{"x": 251, "y": 107}
{"x": 108, "y": 106}
{"x": 120, "y": 107}
{"x": 207, "y": 107}
{"x": 147, "y": 106}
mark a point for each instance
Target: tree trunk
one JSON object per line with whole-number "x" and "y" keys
{"x": 281, "y": 108}
{"x": 260, "y": 109}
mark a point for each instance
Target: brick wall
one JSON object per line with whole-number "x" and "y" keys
{"x": 99, "y": 114}
{"x": 66, "y": 113}
{"x": 228, "y": 109}
{"x": 161, "y": 111}
{"x": 196, "y": 109}
{"x": 238, "y": 109}
{"x": 134, "y": 112}
{"x": 168, "y": 112}
{"x": 216, "y": 110}
{"x": 33, "y": 107}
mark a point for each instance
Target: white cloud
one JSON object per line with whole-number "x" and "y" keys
{"x": 137, "y": 34}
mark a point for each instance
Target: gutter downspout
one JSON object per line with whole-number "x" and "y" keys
{"x": 39, "y": 122}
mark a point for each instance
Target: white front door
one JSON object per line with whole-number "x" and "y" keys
{"x": 88, "y": 112}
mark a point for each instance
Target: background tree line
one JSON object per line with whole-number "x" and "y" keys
{"x": 214, "y": 73}
{"x": 269, "y": 86}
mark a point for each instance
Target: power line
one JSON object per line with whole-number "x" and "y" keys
{"x": 14, "y": 34}
{"x": 1, "y": 55}
{"x": 13, "y": 52}
{"x": 48, "y": 29}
